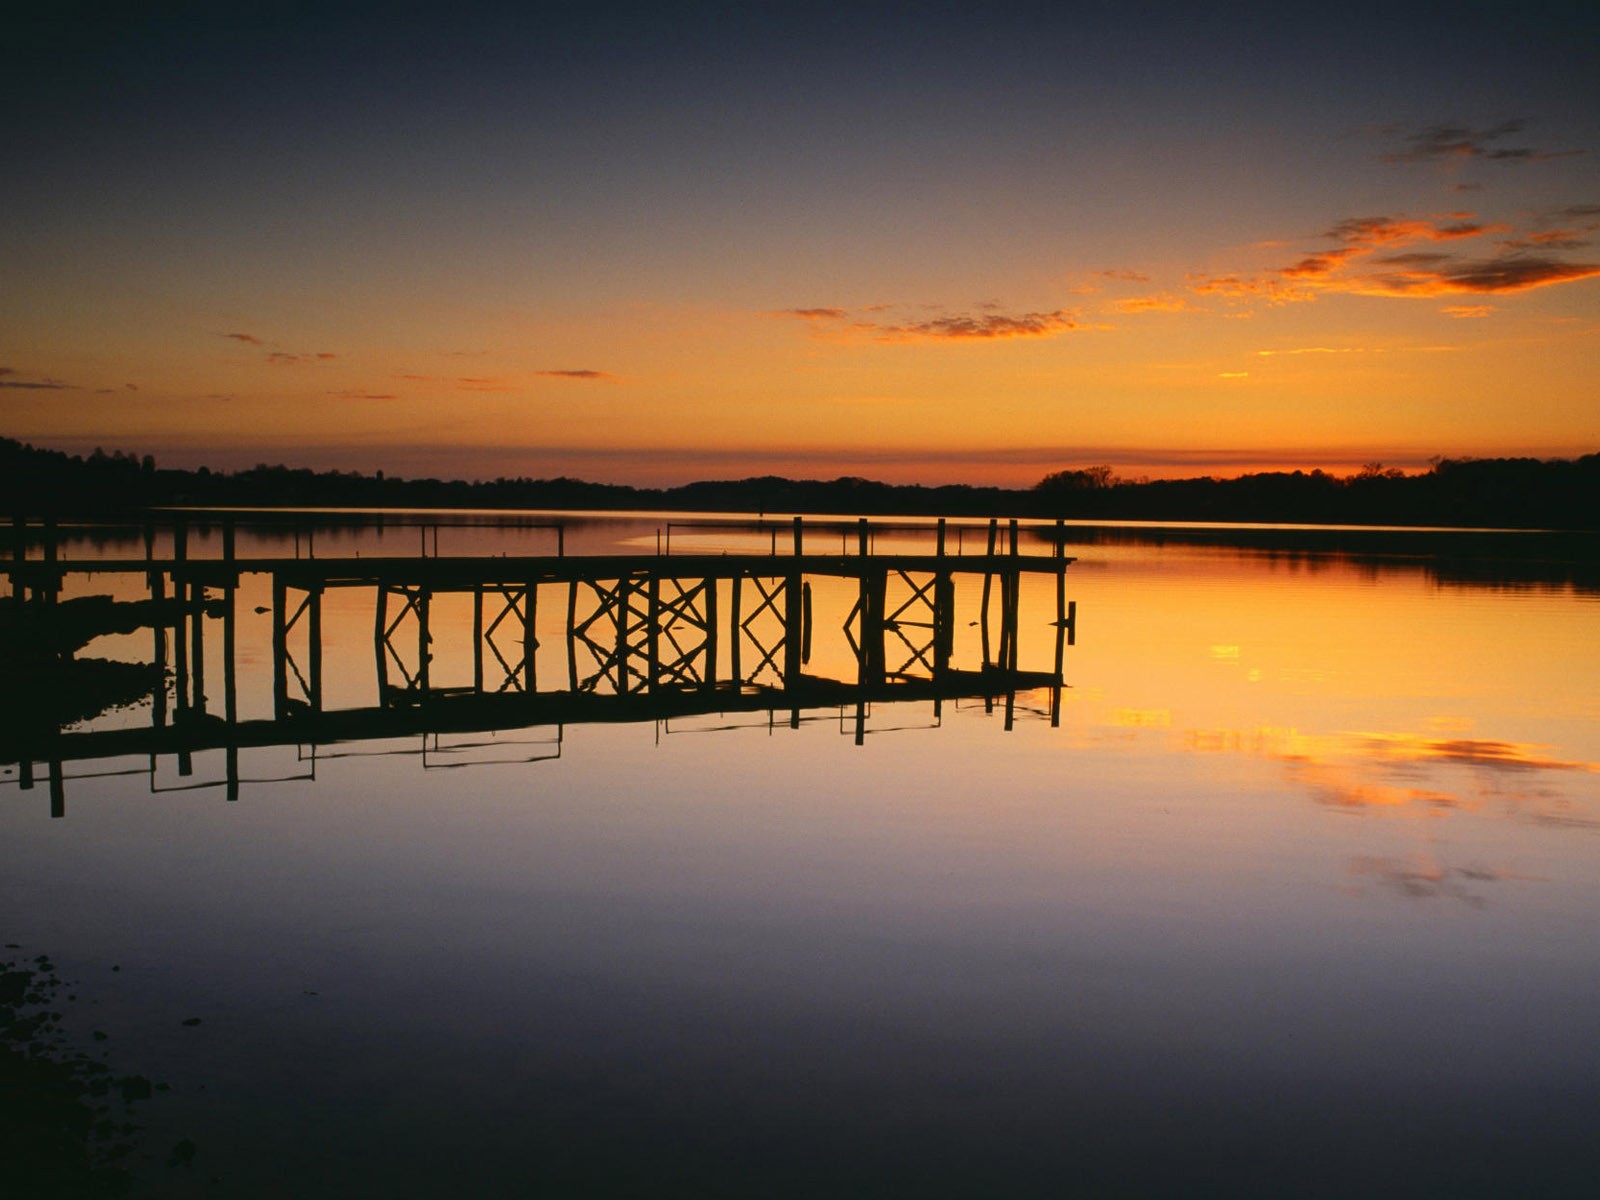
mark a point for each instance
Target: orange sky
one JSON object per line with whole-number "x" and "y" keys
{"x": 983, "y": 255}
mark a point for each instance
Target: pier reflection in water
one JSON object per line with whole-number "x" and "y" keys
{"x": 624, "y": 637}
{"x": 1297, "y": 899}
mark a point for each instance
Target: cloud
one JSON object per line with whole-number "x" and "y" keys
{"x": 1371, "y": 260}
{"x": 983, "y": 325}
{"x": 32, "y": 385}
{"x": 990, "y": 325}
{"x": 1455, "y": 143}
{"x": 1162, "y": 302}
{"x": 1515, "y": 273}
{"x": 584, "y": 374}
{"x": 472, "y": 383}
{"x": 1124, "y": 276}
{"x": 1371, "y": 232}
{"x": 814, "y": 314}
{"x": 1312, "y": 350}
{"x": 278, "y": 356}
{"x": 357, "y": 395}
{"x": 1468, "y": 311}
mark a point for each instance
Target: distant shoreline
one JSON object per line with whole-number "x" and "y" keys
{"x": 1481, "y": 494}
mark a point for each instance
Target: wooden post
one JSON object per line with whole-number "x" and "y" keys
{"x": 653, "y": 632}
{"x": 572, "y": 640}
{"x": 863, "y": 538}
{"x": 736, "y": 631}
{"x": 805, "y": 622}
{"x": 793, "y": 628}
{"x": 988, "y": 581}
{"x": 58, "y": 791}
{"x": 622, "y": 601}
{"x": 477, "y": 639}
{"x": 230, "y": 690}
{"x": 197, "y": 625}
{"x": 158, "y": 627}
{"x": 280, "y": 647}
{"x": 530, "y": 636}
{"x": 424, "y": 641}
{"x": 180, "y": 645}
{"x": 314, "y": 636}
{"x": 711, "y": 633}
{"x": 380, "y": 629}
{"x": 797, "y": 537}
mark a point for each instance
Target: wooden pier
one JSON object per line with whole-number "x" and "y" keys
{"x": 646, "y": 636}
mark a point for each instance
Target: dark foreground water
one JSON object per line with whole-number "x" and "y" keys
{"x": 1301, "y": 898}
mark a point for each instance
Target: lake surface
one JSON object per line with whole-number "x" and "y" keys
{"x": 1299, "y": 896}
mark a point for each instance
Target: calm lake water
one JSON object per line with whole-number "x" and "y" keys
{"x": 1300, "y": 897}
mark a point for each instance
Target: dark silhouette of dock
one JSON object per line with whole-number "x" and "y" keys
{"x": 647, "y": 637}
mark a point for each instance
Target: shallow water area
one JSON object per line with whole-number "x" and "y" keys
{"x": 1298, "y": 895}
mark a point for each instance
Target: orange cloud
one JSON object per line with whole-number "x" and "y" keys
{"x": 584, "y": 374}
{"x": 1162, "y": 302}
{"x": 249, "y": 339}
{"x": 1518, "y": 273}
{"x": 984, "y": 325}
{"x": 1356, "y": 268}
{"x": 989, "y": 325}
{"x": 354, "y": 395}
{"x": 814, "y": 314}
{"x": 1468, "y": 311}
{"x": 468, "y": 383}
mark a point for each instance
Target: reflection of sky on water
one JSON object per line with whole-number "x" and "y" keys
{"x": 1298, "y": 900}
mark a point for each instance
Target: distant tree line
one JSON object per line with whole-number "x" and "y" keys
{"x": 1508, "y": 492}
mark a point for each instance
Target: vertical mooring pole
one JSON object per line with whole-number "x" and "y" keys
{"x": 793, "y": 636}
{"x": 572, "y": 635}
{"x": 653, "y": 632}
{"x": 622, "y": 600}
{"x": 477, "y": 639}
{"x": 197, "y": 627}
{"x": 424, "y": 641}
{"x": 230, "y": 685}
{"x": 988, "y": 583}
{"x": 380, "y": 631}
{"x": 530, "y": 637}
{"x": 158, "y": 629}
{"x": 736, "y": 631}
{"x": 314, "y": 636}
{"x": 710, "y": 676}
{"x": 280, "y": 647}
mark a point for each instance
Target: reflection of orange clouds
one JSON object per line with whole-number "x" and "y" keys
{"x": 1360, "y": 772}
{"x": 1481, "y": 752}
{"x": 1339, "y": 785}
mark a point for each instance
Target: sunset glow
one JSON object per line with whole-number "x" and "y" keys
{"x": 948, "y": 245}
